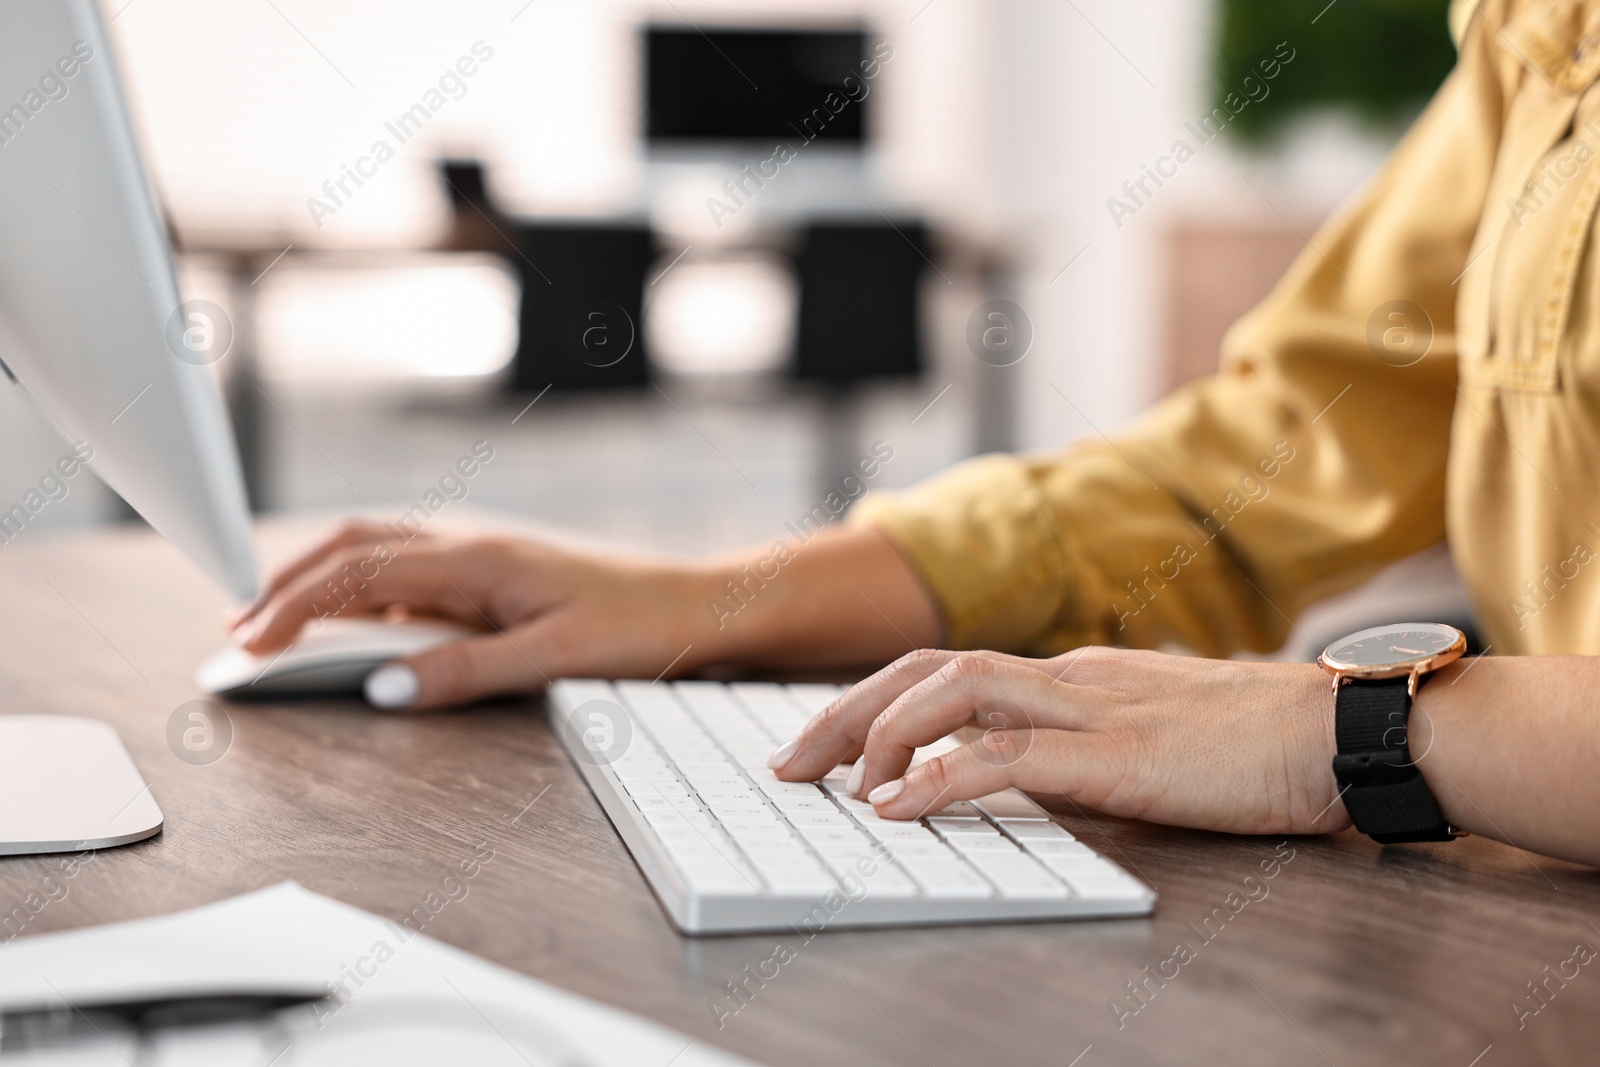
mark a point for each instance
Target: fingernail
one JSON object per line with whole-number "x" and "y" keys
{"x": 852, "y": 785}
{"x": 393, "y": 685}
{"x": 784, "y": 754}
{"x": 887, "y": 791}
{"x": 243, "y": 634}
{"x": 249, "y": 610}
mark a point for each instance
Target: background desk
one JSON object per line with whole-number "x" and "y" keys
{"x": 1356, "y": 956}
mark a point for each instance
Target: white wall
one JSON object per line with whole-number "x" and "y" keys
{"x": 246, "y": 110}
{"x": 1085, "y": 93}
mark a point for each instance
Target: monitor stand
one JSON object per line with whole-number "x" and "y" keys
{"x": 67, "y": 785}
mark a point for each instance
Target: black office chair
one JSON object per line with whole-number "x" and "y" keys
{"x": 582, "y": 299}
{"x": 859, "y": 312}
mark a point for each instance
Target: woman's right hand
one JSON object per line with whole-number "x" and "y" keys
{"x": 545, "y": 613}
{"x": 844, "y": 597}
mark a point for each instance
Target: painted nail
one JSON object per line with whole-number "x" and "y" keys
{"x": 392, "y": 686}
{"x": 852, "y": 784}
{"x": 784, "y": 754}
{"x": 887, "y": 791}
{"x": 243, "y": 634}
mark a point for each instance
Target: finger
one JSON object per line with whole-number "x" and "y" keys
{"x": 356, "y": 581}
{"x": 352, "y": 532}
{"x": 1063, "y": 762}
{"x": 1001, "y": 697}
{"x": 459, "y": 672}
{"x": 837, "y": 733}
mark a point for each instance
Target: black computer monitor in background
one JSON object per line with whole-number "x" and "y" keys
{"x": 728, "y": 84}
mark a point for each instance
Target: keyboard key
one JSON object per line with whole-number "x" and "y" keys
{"x": 711, "y": 842}
{"x": 719, "y": 876}
{"x": 645, "y": 778}
{"x": 888, "y": 883}
{"x": 582, "y": 690}
{"x": 947, "y": 879}
{"x": 947, "y": 827}
{"x": 683, "y": 734}
{"x": 835, "y": 781}
{"x": 707, "y": 767}
{"x": 960, "y": 809}
{"x": 793, "y": 854}
{"x": 767, "y": 700}
{"x": 731, "y": 810}
{"x": 813, "y": 698}
{"x": 847, "y": 859}
{"x": 775, "y": 788}
{"x": 769, "y": 837}
{"x": 1116, "y": 887}
{"x": 1010, "y": 804}
{"x": 1047, "y": 849}
{"x": 684, "y": 831}
{"x": 666, "y": 802}
{"x": 686, "y": 851}
{"x": 640, "y": 753}
{"x": 832, "y": 817}
{"x": 756, "y": 824}
{"x": 797, "y": 880}
{"x": 790, "y": 805}
{"x": 819, "y": 836}
{"x": 704, "y": 696}
{"x": 688, "y": 742}
{"x": 653, "y": 788}
{"x": 895, "y": 833}
{"x": 730, "y": 793}
{"x": 871, "y": 818}
{"x": 708, "y": 783}
{"x": 629, "y": 765}
{"x": 658, "y": 800}
{"x": 1018, "y": 876}
{"x": 674, "y": 816}
{"x": 915, "y": 845}
{"x": 965, "y": 843}
{"x": 1079, "y": 865}
{"x": 1036, "y": 831}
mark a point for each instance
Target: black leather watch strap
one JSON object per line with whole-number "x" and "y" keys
{"x": 1383, "y": 791}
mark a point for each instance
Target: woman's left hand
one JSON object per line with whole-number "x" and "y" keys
{"x": 1211, "y": 744}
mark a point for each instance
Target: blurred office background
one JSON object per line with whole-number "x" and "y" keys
{"x": 556, "y": 165}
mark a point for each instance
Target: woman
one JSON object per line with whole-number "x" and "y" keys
{"x": 1428, "y": 368}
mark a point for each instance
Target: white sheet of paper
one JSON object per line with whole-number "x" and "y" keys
{"x": 407, "y": 998}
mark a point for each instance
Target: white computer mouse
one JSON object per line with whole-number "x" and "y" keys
{"x": 330, "y": 658}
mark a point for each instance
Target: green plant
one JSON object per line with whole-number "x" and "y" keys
{"x": 1381, "y": 59}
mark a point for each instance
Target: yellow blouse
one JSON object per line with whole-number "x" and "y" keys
{"x": 1428, "y": 369}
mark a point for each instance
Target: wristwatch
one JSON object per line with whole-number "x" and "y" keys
{"x": 1376, "y": 674}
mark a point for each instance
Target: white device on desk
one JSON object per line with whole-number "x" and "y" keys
{"x": 681, "y": 769}
{"x": 93, "y": 326}
{"x": 331, "y": 657}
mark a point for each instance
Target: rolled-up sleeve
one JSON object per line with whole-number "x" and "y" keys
{"x": 1315, "y": 457}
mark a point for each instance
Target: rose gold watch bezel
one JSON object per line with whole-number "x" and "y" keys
{"x": 1416, "y": 668}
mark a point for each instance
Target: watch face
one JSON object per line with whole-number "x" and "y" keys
{"x": 1387, "y": 647}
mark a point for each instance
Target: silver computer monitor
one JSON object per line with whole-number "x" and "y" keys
{"x": 92, "y": 325}
{"x": 91, "y": 320}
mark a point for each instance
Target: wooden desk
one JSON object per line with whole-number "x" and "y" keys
{"x": 1355, "y": 955}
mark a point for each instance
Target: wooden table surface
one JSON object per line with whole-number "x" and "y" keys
{"x": 1350, "y": 954}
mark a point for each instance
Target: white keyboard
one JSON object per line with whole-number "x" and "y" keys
{"x": 681, "y": 769}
